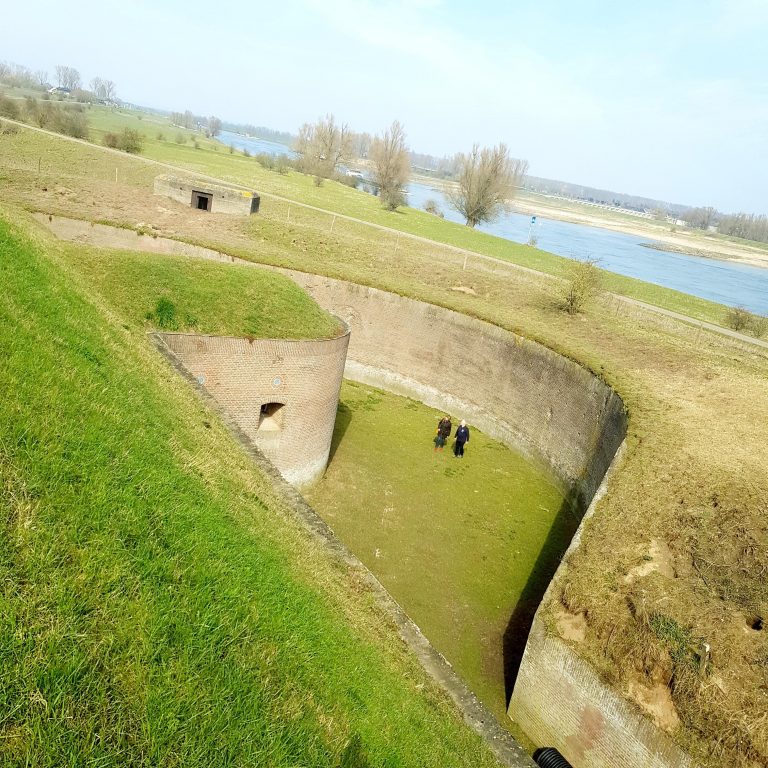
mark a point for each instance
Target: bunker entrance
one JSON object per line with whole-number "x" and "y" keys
{"x": 271, "y": 417}
{"x": 202, "y": 200}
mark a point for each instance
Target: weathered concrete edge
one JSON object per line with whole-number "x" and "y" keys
{"x": 474, "y": 712}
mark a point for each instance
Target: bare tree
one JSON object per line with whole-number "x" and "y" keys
{"x": 67, "y": 77}
{"x": 487, "y": 180}
{"x": 361, "y": 144}
{"x": 323, "y": 145}
{"x": 97, "y": 88}
{"x": 700, "y": 218}
{"x": 214, "y": 126}
{"x": 41, "y": 76}
{"x": 391, "y": 165}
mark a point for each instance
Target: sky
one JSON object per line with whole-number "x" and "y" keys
{"x": 665, "y": 98}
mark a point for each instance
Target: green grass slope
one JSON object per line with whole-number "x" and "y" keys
{"x": 185, "y": 294}
{"x": 157, "y": 604}
{"x": 66, "y": 170}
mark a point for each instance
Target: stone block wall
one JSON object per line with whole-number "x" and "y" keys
{"x": 298, "y": 381}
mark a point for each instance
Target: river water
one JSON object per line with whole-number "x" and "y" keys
{"x": 721, "y": 281}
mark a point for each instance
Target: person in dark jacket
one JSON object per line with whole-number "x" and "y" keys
{"x": 444, "y": 428}
{"x": 462, "y": 437}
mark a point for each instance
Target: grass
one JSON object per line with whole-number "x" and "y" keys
{"x": 455, "y": 541}
{"x": 193, "y": 295}
{"x": 213, "y": 159}
{"x": 693, "y": 474}
{"x": 157, "y": 604}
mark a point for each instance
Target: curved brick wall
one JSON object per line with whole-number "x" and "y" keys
{"x": 515, "y": 390}
{"x": 523, "y": 394}
{"x": 301, "y": 379}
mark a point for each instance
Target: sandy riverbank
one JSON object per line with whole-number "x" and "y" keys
{"x": 693, "y": 243}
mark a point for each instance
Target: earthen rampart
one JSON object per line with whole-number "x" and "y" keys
{"x": 554, "y": 411}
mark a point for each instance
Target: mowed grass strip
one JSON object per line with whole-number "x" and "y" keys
{"x": 186, "y": 294}
{"x": 157, "y": 606}
{"x": 457, "y": 542}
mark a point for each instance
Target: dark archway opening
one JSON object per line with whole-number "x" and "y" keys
{"x": 202, "y": 200}
{"x": 271, "y": 417}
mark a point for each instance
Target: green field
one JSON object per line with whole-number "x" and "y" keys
{"x": 158, "y": 605}
{"x": 214, "y": 159}
{"x": 220, "y": 299}
{"x": 457, "y": 542}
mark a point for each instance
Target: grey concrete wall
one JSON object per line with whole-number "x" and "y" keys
{"x": 226, "y": 199}
{"x": 513, "y": 389}
{"x": 242, "y": 374}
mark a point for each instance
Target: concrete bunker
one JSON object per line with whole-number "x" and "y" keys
{"x": 203, "y": 195}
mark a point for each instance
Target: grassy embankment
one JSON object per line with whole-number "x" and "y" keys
{"x": 690, "y": 495}
{"x": 212, "y": 158}
{"x": 158, "y": 604}
{"x": 198, "y": 296}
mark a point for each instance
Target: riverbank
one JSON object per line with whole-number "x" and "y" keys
{"x": 677, "y": 241}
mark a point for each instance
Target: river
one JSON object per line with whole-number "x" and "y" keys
{"x": 721, "y": 281}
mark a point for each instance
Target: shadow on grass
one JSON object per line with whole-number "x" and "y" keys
{"x": 343, "y": 419}
{"x": 559, "y": 537}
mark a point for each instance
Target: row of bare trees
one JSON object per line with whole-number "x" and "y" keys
{"x": 211, "y": 125}
{"x": 486, "y": 178}
{"x": 103, "y": 89}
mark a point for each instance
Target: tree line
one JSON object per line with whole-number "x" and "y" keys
{"x": 211, "y": 125}
{"x": 486, "y": 178}
{"x": 747, "y": 226}
{"x": 18, "y": 76}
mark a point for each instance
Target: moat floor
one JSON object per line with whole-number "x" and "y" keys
{"x": 457, "y": 542}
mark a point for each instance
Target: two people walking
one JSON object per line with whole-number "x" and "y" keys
{"x": 444, "y": 428}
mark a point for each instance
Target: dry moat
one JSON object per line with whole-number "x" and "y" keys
{"x": 458, "y": 543}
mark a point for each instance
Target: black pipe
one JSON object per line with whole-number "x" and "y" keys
{"x": 549, "y": 757}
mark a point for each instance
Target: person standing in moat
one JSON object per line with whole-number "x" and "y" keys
{"x": 462, "y": 437}
{"x": 444, "y": 428}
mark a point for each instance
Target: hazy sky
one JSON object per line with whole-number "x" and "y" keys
{"x": 665, "y": 98}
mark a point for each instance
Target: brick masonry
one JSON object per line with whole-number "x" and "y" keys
{"x": 536, "y": 401}
{"x": 551, "y": 409}
{"x": 302, "y": 376}
{"x": 557, "y": 413}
